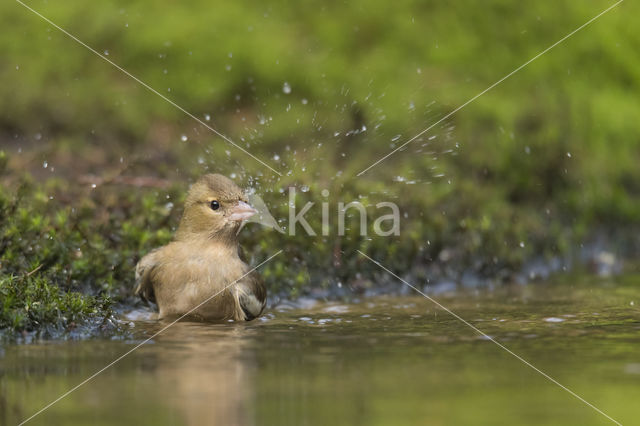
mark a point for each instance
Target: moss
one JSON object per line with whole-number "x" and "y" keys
{"x": 64, "y": 263}
{"x": 34, "y": 305}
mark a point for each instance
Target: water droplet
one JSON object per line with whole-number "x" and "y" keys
{"x": 286, "y": 88}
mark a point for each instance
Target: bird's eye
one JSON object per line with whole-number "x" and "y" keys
{"x": 215, "y": 205}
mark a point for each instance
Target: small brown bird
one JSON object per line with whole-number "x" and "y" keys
{"x": 203, "y": 259}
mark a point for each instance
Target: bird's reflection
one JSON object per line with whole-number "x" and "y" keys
{"x": 203, "y": 371}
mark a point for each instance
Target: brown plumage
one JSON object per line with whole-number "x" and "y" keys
{"x": 203, "y": 259}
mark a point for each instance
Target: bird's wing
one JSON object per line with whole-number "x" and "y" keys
{"x": 252, "y": 295}
{"x": 144, "y": 283}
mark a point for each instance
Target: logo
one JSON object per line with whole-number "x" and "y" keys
{"x": 386, "y": 220}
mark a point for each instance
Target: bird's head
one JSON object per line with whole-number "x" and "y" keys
{"x": 215, "y": 208}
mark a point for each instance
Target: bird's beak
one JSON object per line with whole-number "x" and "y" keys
{"x": 241, "y": 211}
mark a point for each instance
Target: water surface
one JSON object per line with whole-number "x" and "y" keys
{"x": 387, "y": 360}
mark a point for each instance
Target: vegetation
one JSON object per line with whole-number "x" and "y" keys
{"x": 94, "y": 166}
{"x": 61, "y": 264}
{"x": 36, "y": 304}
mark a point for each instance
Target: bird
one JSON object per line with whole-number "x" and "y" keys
{"x": 201, "y": 273}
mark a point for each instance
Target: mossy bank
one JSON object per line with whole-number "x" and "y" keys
{"x": 68, "y": 250}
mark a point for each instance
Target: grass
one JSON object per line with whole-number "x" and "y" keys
{"x": 530, "y": 170}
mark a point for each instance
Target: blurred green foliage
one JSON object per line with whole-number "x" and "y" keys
{"x": 319, "y": 91}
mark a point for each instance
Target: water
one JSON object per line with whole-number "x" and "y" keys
{"x": 387, "y": 360}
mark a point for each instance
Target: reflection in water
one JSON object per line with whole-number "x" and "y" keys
{"x": 205, "y": 370}
{"x": 381, "y": 361}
